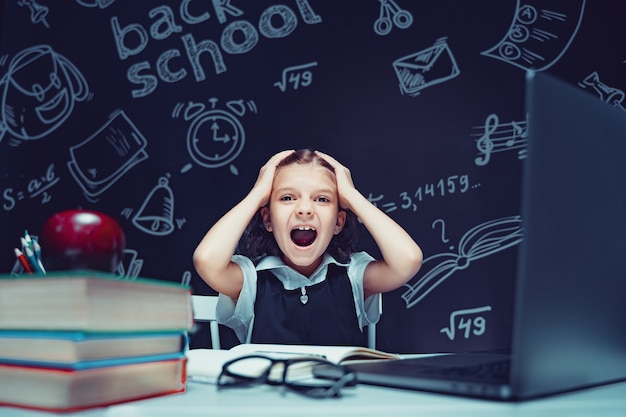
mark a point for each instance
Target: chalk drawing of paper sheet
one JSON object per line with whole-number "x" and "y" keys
{"x": 425, "y": 68}
{"x": 103, "y": 158}
{"x": 541, "y": 32}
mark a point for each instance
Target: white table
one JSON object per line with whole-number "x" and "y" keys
{"x": 204, "y": 400}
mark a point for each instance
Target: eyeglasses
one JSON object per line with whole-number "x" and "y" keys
{"x": 294, "y": 374}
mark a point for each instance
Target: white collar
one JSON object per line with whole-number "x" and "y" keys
{"x": 276, "y": 264}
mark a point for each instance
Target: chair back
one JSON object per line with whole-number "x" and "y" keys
{"x": 205, "y": 311}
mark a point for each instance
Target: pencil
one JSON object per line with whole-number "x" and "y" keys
{"x": 32, "y": 260}
{"x": 37, "y": 251}
{"x": 22, "y": 259}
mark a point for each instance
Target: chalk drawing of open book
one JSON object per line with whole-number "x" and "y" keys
{"x": 480, "y": 241}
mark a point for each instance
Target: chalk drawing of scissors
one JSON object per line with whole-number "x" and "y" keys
{"x": 390, "y": 14}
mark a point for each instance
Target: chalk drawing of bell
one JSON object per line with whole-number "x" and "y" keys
{"x": 156, "y": 215}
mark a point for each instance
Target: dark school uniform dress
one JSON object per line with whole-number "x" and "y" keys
{"x": 320, "y": 314}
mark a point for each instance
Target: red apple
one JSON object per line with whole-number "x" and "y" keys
{"x": 82, "y": 239}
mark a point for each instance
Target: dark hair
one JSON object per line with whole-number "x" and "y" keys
{"x": 257, "y": 242}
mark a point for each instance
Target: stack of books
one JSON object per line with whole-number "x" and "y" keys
{"x": 83, "y": 339}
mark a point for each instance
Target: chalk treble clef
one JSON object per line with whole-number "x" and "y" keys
{"x": 485, "y": 144}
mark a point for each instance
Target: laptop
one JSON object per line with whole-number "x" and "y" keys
{"x": 569, "y": 325}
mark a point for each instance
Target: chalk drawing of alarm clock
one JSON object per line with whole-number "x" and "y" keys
{"x": 215, "y": 138}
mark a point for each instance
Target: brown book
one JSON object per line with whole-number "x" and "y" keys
{"x": 93, "y": 301}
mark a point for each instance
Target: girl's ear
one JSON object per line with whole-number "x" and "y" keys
{"x": 267, "y": 222}
{"x": 341, "y": 221}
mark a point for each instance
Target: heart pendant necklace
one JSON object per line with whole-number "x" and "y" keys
{"x": 303, "y": 298}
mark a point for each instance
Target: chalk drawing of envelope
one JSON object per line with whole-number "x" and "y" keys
{"x": 425, "y": 68}
{"x": 103, "y": 158}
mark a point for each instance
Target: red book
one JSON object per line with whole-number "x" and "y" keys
{"x": 63, "y": 390}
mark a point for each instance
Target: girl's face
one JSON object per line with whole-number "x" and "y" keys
{"x": 303, "y": 214}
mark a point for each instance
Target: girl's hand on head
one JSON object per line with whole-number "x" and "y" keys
{"x": 343, "y": 176}
{"x": 265, "y": 179}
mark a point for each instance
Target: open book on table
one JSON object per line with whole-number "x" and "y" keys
{"x": 205, "y": 365}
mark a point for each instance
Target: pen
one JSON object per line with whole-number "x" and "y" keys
{"x": 37, "y": 250}
{"x": 25, "y": 244}
{"x": 27, "y": 239}
{"x": 32, "y": 261}
{"x": 20, "y": 257}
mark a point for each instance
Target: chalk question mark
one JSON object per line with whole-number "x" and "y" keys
{"x": 444, "y": 239}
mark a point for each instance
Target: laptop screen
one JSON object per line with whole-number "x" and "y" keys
{"x": 569, "y": 327}
{"x": 570, "y": 315}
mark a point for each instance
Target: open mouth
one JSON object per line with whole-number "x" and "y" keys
{"x": 303, "y": 236}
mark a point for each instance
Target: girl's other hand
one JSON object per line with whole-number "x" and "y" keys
{"x": 343, "y": 177}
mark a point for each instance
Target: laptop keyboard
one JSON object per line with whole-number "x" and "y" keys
{"x": 465, "y": 366}
{"x": 490, "y": 371}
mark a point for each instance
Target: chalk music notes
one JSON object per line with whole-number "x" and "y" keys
{"x": 497, "y": 137}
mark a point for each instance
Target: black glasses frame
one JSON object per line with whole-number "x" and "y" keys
{"x": 230, "y": 379}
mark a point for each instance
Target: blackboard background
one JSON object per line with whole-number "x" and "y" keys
{"x": 398, "y": 146}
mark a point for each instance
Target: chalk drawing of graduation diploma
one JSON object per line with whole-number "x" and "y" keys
{"x": 391, "y": 14}
{"x": 103, "y": 158}
{"x": 156, "y": 214}
{"x": 541, "y": 32}
{"x": 496, "y": 137}
{"x": 39, "y": 91}
{"x": 607, "y": 94}
{"x": 482, "y": 240}
{"x": 426, "y": 68}
{"x": 216, "y": 136}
